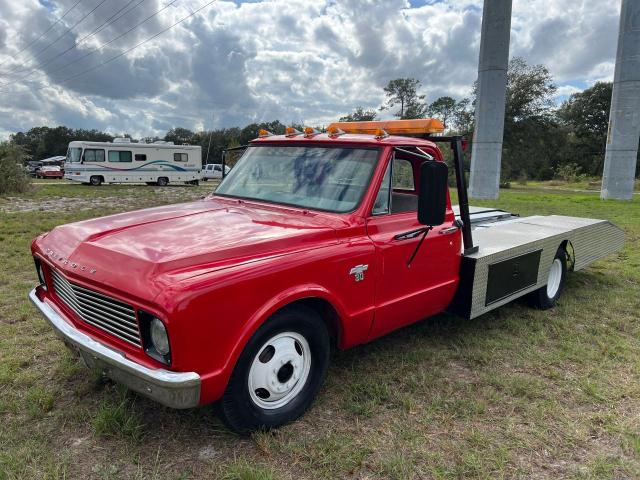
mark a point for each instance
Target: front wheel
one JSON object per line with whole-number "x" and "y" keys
{"x": 278, "y": 373}
{"x": 95, "y": 180}
{"x": 163, "y": 181}
{"x": 547, "y": 296}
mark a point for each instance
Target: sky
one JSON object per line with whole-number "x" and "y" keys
{"x": 232, "y": 63}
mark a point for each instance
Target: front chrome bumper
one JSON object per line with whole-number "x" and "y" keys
{"x": 173, "y": 389}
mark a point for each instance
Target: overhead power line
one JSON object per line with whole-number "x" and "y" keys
{"x": 121, "y": 54}
{"x": 35, "y": 57}
{"x": 45, "y": 32}
{"x": 91, "y": 52}
{"x": 97, "y": 30}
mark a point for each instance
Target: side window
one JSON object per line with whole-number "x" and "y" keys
{"x": 404, "y": 200}
{"x": 93, "y": 155}
{"x": 217, "y": 168}
{"x": 140, "y": 157}
{"x": 180, "y": 157}
{"x": 403, "y": 175}
{"x": 119, "y": 156}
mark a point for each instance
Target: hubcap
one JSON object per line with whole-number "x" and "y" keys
{"x": 555, "y": 275}
{"x": 280, "y": 370}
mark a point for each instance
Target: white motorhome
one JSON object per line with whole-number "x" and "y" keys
{"x": 122, "y": 161}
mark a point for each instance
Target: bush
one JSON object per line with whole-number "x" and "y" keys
{"x": 570, "y": 172}
{"x": 13, "y": 176}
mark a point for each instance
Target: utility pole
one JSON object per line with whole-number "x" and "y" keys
{"x": 620, "y": 158}
{"x": 490, "y": 102}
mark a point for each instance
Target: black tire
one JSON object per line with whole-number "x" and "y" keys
{"x": 543, "y": 298}
{"x": 237, "y": 408}
{"x": 95, "y": 180}
{"x": 162, "y": 181}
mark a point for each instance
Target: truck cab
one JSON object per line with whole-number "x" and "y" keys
{"x": 312, "y": 239}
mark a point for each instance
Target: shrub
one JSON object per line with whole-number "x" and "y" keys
{"x": 13, "y": 176}
{"x": 570, "y": 172}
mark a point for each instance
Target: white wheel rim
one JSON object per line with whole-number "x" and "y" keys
{"x": 280, "y": 370}
{"x": 555, "y": 275}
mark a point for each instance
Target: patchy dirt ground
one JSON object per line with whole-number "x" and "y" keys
{"x": 94, "y": 198}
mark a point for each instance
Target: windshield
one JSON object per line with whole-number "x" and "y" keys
{"x": 332, "y": 179}
{"x": 73, "y": 154}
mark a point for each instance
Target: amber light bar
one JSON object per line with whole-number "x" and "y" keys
{"x": 392, "y": 127}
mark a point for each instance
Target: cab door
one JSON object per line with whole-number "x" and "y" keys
{"x": 407, "y": 292}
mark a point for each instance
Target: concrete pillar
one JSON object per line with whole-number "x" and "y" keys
{"x": 624, "y": 120}
{"x": 490, "y": 102}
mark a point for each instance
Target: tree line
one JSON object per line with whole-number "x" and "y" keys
{"x": 541, "y": 139}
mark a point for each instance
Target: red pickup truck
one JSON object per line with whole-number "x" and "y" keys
{"x": 313, "y": 239}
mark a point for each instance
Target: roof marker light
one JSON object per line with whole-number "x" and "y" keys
{"x": 334, "y": 131}
{"x": 264, "y": 133}
{"x": 380, "y": 133}
{"x": 310, "y": 132}
{"x": 292, "y": 132}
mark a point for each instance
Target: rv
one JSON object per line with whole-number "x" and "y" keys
{"x": 121, "y": 161}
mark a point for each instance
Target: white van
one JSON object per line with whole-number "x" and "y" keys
{"x": 122, "y": 161}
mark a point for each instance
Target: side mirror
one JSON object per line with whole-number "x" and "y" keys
{"x": 432, "y": 199}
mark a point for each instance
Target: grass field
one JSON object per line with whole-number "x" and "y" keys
{"x": 517, "y": 393}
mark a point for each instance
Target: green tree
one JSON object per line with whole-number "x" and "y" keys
{"x": 13, "y": 176}
{"x": 443, "y": 108}
{"x": 403, "y": 92}
{"x": 586, "y": 117}
{"x": 587, "y": 112}
{"x": 530, "y": 91}
{"x": 179, "y": 136}
{"x": 533, "y": 142}
{"x": 464, "y": 117}
{"x": 359, "y": 115}
{"x": 43, "y": 142}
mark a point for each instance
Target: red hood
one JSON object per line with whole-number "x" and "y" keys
{"x": 130, "y": 251}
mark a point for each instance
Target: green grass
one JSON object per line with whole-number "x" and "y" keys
{"x": 517, "y": 393}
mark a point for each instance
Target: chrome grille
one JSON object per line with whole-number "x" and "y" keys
{"x": 101, "y": 311}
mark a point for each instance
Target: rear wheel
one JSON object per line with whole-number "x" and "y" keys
{"x": 278, "y": 373}
{"x": 546, "y": 297}
{"x": 95, "y": 180}
{"x": 163, "y": 181}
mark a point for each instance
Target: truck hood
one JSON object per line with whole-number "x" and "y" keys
{"x": 136, "y": 251}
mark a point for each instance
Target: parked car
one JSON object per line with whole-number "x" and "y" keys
{"x": 49, "y": 171}
{"x": 213, "y": 170}
{"x": 33, "y": 167}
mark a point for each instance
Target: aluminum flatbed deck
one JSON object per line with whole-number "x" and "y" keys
{"x": 515, "y": 254}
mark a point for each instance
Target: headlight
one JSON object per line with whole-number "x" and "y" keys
{"x": 159, "y": 337}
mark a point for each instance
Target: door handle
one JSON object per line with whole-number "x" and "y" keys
{"x": 447, "y": 231}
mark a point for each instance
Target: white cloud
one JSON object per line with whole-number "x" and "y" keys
{"x": 289, "y": 59}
